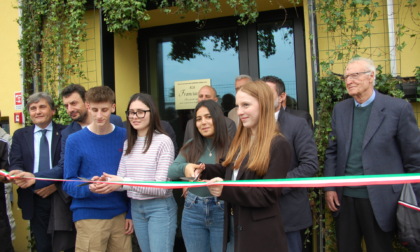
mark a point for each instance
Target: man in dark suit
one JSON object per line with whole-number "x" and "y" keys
{"x": 300, "y": 113}
{"x": 371, "y": 133}
{"x": 5, "y": 230}
{"x": 25, "y": 158}
{"x": 284, "y": 98}
{"x": 294, "y": 202}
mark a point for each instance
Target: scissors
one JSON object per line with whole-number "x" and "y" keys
{"x": 88, "y": 181}
{"x": 194, "y": 179}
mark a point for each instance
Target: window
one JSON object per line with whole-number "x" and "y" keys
{"x": 220, "y": 50}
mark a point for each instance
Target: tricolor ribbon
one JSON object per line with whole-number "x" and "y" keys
{"x": 363, "y": 180}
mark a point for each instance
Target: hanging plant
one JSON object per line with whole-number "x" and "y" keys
{"x": 123, "y": 15}
{"x": 52, "y": 31}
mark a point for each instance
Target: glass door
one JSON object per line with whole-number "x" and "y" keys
{"x": 220, "y": 50}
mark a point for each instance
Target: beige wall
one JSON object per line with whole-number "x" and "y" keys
{"x": 11, "y": 82}
{"x": 410, "y": 54}
{"x": 311, "y": 95}
{"x": 377, "y": 46}
{"x": 127, "y": 77}
{"x": 91, "y": 64}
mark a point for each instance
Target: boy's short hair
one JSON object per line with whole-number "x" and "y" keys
{"x": 100, "y": 94}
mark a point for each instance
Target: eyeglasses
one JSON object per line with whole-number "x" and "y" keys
{"x": 354, "y": 76}
{"x": 139, "y": 113}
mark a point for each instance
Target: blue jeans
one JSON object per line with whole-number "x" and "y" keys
{"x": 202, "y": 223}
{"x": 155, "y": 223}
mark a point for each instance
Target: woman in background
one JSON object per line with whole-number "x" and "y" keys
{"x": 258, "y": 151}
{"x": 148, "y": 153}
{"x": 202, "y": 217}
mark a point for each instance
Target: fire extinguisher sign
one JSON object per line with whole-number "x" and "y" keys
{"x": 18, "y": 100}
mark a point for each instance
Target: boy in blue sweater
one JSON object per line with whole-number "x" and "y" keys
{"x": 100, "y": 219}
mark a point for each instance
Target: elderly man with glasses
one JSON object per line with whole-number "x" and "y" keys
{"x": 372, "y": 133}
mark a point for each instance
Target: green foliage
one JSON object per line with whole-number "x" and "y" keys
{"x": 330, "y": 90}
{"x": 387, "y": 84}
{"x": 182, "y": 7}
{"x": 52, "y": 31}
{"x": 350, "y": 20}
{"x": 31, "y": 240}
{"x": 123, "y": 15}
{"x": 245, "y": 9}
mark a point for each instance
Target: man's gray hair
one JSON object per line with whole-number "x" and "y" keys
{"x": 243, "y": 76}
{"x": 369, "y": 63}
{"x": 36, "y": 97}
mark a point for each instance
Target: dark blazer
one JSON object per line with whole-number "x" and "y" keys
{"x": 391, "y": 145}
{"x": 301, "y": 113}
{"x": 294, "y": 202}
{"x": 257, "y": 217}
{"x": 22, "y": 158}
{"x": 57, "y": 170}
{"x": 190, "y": 129}
{"x": 116, "y": 120}
{"x": 5, "y": 231}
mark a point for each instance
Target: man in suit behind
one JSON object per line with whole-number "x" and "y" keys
{"x": 5, "y": 229}
{"x": 25, "y": 156}
{"x": 371, "y": 133}
{"x": 294, "y": 202}
{"x": 284, "y": 98}
{"x": 240, "y": 80}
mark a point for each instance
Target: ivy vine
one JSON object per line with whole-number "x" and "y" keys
{"x": 125, "y": 15}
{"x": 52, "y": 31}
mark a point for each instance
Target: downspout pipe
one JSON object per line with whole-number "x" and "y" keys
{"x": 315, "y": 72}
{"x": 391, "y": 38}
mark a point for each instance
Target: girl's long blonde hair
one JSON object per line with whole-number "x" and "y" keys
{"x": 258, "y": 148}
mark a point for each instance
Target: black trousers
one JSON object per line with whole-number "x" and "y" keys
{"x": 5, "y": 232}
{"x": 39, "y": 223}
{"x": 356, "y": 221}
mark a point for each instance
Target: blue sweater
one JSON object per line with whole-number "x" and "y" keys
{"x": 88, "y": 155}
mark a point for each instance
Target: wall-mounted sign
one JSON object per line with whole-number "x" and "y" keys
{"x": 186, "y": 93}
{"x": 18, "y": 100}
